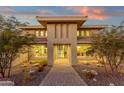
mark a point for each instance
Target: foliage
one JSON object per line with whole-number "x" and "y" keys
{"x": 41, "y": 61}
{"x": 108, "y": 46}
{"x": 11, "y": 41}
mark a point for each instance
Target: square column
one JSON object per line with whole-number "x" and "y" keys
{"x": 73, "y": 54}
{"x": 50, "y": 54}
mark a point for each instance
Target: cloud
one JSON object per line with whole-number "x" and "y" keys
{"x": 45, "y": 12}
{"x": 10, "y": 11}
{"x": 98, "y": 13}
{"x": 92, "y": 13}
{"x": 4, "y": 9}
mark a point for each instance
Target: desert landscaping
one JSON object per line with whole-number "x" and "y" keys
{"x": 94, "y": 74}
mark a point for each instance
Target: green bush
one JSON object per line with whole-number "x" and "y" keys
{"x": 40, "y": 61}
{"x": 44, "y": 62}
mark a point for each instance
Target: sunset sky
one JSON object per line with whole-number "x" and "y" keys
{"x": 111, "y": 15}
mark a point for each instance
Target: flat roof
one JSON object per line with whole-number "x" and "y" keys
{"x": 64, "y": 19}
{"x": 31, "y": 27}
{"x": 93, "y": 26}
{"x": 44, "y": 20}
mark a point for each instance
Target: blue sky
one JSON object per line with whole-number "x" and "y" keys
{"x": 111, "y": 15}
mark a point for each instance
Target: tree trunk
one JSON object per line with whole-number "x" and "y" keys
{"x": 3, "y": 74}
{"x": 9, "y": 70}
{"x": 109, "y": 61}
{"x": 10, "y": 64}
{"x": 104, "y": 63}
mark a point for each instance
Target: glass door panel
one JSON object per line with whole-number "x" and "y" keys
{"x": 62, "y": 51}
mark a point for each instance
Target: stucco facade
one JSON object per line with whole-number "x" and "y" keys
{"x": 62, "y": 35}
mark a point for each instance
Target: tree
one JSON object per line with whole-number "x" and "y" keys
{"x": 11, "y": 42}
{"x": 108, "y": 45}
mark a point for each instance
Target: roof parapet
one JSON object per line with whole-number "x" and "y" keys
{"x": 64, "y": 19}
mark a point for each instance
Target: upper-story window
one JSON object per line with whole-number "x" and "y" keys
{"x": 41, "y": 33}
{"x": 83, "y": 33}
{"x": 78, "y": 33}
{"x": 87, "y": 33}
{"x": 37, "y": 33}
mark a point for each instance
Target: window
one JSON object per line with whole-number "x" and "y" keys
{"x": 40, "y": 33}
{"x": 87, "y": 33}
{"x": 37, "y": 33}
{"x": 82, "y": 49}
{"x": 62, "y": 51}
{"x": 39, "y": 50}
{"x": 82, "y": 33}
{"x": 46, "y": 33}
{"x": 78, "y": 33}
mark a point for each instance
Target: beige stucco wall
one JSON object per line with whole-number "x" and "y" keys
{"x": 70, "y": 40}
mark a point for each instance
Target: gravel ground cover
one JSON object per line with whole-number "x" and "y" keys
{"x": 35, "y": 79}
{"x": 103, "y": 78}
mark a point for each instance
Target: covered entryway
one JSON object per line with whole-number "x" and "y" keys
{"x": 61, "y": 54}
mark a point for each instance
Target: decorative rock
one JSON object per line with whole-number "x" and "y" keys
{"x": 7, "y": 83}
{"x": 94, "y": 72}
{"x": 31, "y": 71}
{"x": 85, "y": 70}
{"x": 99, "y": 65}
{"x": 111, "y": 84}
{"x": 94, "y": 79}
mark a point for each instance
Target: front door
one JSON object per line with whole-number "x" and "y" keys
{"x": 61, "y": 53}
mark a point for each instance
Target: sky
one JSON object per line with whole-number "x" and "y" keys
{"x": 106, "y": 15}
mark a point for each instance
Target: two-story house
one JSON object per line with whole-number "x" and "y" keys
{"x": 61, "y": 37}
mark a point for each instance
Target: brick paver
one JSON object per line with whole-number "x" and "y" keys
{"x": 62, "y": 75}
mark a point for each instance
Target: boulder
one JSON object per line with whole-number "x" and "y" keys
{"x": 89, "y": 74}
{"x": 111, "y": 84}
{"x": 94, "y": 72}
{"x": 94, "y": 79}
{"x": 99, "y": 65}
{"x": 31, "y": 71}
{"x": 85, "y": 70}
{"x": 7, "y": 83}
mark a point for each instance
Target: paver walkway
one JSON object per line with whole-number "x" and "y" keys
{"x": 62, "y": 75}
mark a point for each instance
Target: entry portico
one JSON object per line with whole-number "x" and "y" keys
{"x": 62, "y": 32}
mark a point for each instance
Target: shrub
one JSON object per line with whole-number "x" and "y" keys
{"x": 44, "y": 62}
{"x": 27, "y": 76}
{"x": 108, "y": 47}
{"x": 89, "y": 74}
{"x": 40, "y": 61}
{"x": 40, "y": 68}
